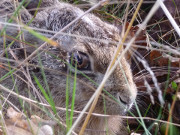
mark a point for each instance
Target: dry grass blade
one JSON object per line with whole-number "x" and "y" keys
{"x": 171, "y": 19}
{"x": 120, "y": 46}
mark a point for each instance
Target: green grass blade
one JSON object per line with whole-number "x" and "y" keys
{"x": 52, "y": 104}
{"x": 73, "y": 96}
{"x": 67, "y": 101}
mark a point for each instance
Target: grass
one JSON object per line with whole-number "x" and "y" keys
{"x": 41, "y": 85}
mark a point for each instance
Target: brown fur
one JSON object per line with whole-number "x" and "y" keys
{"x": 99, "y": 54}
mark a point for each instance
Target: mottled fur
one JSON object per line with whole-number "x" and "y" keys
{"x": 99, "y": 53}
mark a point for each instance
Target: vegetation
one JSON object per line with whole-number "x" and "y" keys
{"x": 154, "y": 61}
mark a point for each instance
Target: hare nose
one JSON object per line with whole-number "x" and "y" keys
{"x": 126, "y": 101}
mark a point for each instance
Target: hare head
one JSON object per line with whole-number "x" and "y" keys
{"x": 91, "y": 43}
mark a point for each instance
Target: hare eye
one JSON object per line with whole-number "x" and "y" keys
{"x": 81, "y": 59}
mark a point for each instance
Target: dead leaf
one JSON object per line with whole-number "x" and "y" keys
{"x": 157, "y": 59}
{"x": 17, "y": 125}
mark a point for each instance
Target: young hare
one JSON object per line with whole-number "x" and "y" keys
{"x": 75, "y": 45}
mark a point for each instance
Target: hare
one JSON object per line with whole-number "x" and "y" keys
{"x": 76, "y": 48}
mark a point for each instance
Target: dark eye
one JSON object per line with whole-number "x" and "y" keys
{"x": 81, "y": 59}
